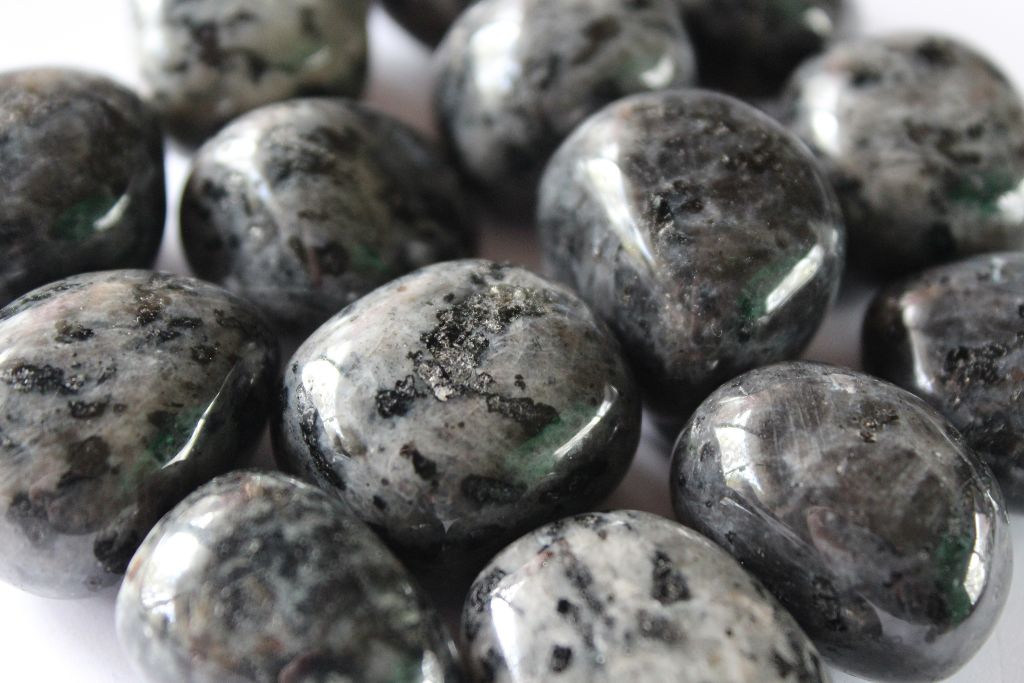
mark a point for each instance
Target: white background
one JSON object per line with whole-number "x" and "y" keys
{"x": 53, "y": 641}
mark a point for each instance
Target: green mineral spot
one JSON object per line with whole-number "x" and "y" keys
{"x": 951, "y": 559}
{"x": 365, "y": 259}
{"x": 983, "y": 193}
{"x": 79, "y": 221}
{"x": 753, "y": 300}
{"x": 174, "y": 433}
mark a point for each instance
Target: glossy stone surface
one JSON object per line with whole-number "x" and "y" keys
{"x": 954, "y": 335}
{"x": 923, "y": 139}
{"x": 304, "y": 206}
{"x": 628, "y": 596}
{"x": 458, "y": 407}
{"x": 82, "y": 178}
{"x": 426, "y": 19}
{"x": 700, "y": 230}
{"x": 120, "y": 393}
{"x": 207, "y": 61}
{"x": 859, "y": 507}
{"x": 259, "y": 577}
{"x": 517, "y": 76}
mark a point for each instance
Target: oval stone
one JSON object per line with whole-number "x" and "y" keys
{"x": 859, "y": 507}
{"x": 304, "y": 206}
{"x": 426, "y": 19}
{"x": 82, "y": 174}
{"x": 259, "y": 577}
{"x": 120, "y": 393}
{"x": 954, "y": 335}
{"x": 628, "y": 596}
{"x": 458, "y": 407}
{"x": 701, "y": 230}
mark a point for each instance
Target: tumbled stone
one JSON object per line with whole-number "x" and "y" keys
{"x": 700, "y": 230}
{"x": 859, "y": 507}
{"x": 207, "y": 61}
{"x": 120, "y": 393}
{"x": 458, "y": 407}
{"x": 259, "y": 577}
{"x": 628, "y": 596}
{"x": 304, "y": 206}
{"x": 954, "y": 335}
{"x": 517, "y": 76}
{"x": 426, "y": 19}
{"x": 923, "y": 139}
{"x": 82, "y": 178}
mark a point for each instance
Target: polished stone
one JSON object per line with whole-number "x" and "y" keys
{"x": 859, "y": 507}
{"x": 81, "y": 178}
{"x": 428, "y": 20}
{"x": 260, "y": 578}
{"x": 923, "y": 139}
{"x": 458, "y": 407}
{"x": 304, "y": 206}
{"x": 954, "y": 335}
{"x": 120, "y": 393}
{"x": 628, "y": 596}
{"x": 700, "y": 230}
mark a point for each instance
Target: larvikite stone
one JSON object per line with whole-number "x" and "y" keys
{"x": 628, "y": 596}
{"x": 304, "y": 206}
{"x": 258, "y": 577}
{"x": 207, "y": 61}
{"x": 954, "y": 335}
{"x": 458, "y": 407}
{"x": 426, "y": 19}
{"x": 517, "y": 76}
{"x": 120, "y": 393}
{"x": 82, "y": 172}
{"x": 923, "y": 139}
{"x": 700, "y": 230}
{"x": 859, "y": 507}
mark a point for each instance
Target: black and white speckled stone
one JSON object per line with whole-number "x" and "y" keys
{"x": 859, "y": 507}
{"x": 628, "y": 596}
{"x": 701, "y": 230}
{"x": 207, "y": 61}
{"x": 82, "y": 178}
{"x": 260, "y": 578}
{"x": 120, "y": 393}
{"x": 428, "y": 20}
{"x": 458, "y": 407}
{"x": 954, "y": 335}
{"x": 304, "y": 206}
{"x": 517, "y": 76}
{"x": 923, "y": 139}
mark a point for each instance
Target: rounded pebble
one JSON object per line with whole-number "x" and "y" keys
{"x": 428, "y": 20}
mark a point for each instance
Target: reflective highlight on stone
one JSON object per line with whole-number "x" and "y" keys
{"x": 426, "y": 19}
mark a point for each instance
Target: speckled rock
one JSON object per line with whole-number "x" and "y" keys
{"x": 517, "y": 76}
{"x": 207, "y": 61}
{"x": 426, "y": 19}
{"x": 954, "y": 336}
{"x": 701, "y": 230}
{"x": 859, "y": 507}
{"x": 82, "y": 172}
{"x": 627, "y": 596}
{"x": 120, "y": 393}
{"x": 458, "y": 407}
{"x": 306, "y": 205}
{"x": 260, "y": 578}
{"x": 923, "y": 139}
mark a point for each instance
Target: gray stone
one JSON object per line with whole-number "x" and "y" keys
{"x": 120, "y": 393}
{"x": 859, "y": 507}
{"x": 458, "y": 407}
{"x": 82, "y": 172}
{"x": 304, "y": 206}
{"x": 428, "y": 20}
{"x": 628, "y": 596}
{"x": 700, "y": 230}
{"x": 259, "y": 578}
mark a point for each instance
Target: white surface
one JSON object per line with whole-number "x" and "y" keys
{"x": 50, "y": 641}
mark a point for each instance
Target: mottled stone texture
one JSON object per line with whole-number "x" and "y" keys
{"x": 627, "y": 596}
{"x": 458, "y": 407}
{"x": 306, "y": 205}
{"x": 700, "y": 230}
{"x": 859, "y": 507}
{"x": 81, "y": 178}
{"x": 517, "y": 76}
{"x": 954, "y": 335}
{"x": 207, "y": 61}
{"x": 923, "y": 140}
{"x": 120, "y": 393}
{"x": 426, "y": 19}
